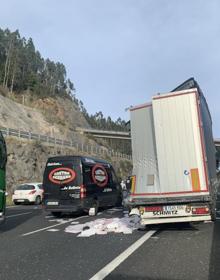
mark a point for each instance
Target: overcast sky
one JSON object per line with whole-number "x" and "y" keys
{"x": 121, "y": 52}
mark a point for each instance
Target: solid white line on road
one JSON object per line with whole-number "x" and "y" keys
{"x": 21, "y": 214}
{"x": 123, "y": 256}
{"x": 62, "y": 223}
{"x": 12, "y": 206}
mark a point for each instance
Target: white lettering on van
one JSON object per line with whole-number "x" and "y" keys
{"x": 54, "y": 164}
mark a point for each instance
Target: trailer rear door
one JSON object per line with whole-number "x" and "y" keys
{"x": 179, "y": 143}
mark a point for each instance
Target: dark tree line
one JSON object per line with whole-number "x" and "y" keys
{"x": 23, "y": 68}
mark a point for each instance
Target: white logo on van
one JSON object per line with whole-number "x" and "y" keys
{"x": 99, "y": 175}
{"x": 53, "y": 164}
{"x": 62, "y": 175}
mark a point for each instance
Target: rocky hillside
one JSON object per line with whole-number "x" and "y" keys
{"x": 55, "y": 117}
{"x": 27, "y": 159}
{"x": 51, "y": 116}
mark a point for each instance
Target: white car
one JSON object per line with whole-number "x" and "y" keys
{"x": 28, "y": 193}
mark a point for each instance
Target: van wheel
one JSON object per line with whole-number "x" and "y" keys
{"x": 38, "y": 200}
{"x": 56, "y": 214}
{"x": 118, "y": 201}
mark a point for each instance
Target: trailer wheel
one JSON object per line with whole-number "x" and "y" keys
{"x": 213, "y": 212}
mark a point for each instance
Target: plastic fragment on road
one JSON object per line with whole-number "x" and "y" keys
{"x": 92, "y": 211}
{"x": 87, "y": 233}
{"x": 75, "y": 228}
{"x": 125, "y": 225}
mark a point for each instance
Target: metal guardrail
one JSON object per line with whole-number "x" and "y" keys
{"x": 80, "y": 147}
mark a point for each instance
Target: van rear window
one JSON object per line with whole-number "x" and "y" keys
{"x": 96, "y": 174}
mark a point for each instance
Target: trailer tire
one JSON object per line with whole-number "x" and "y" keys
{"x": 213, "y": 213}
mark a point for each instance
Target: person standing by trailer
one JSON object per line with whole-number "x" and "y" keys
{"x": 3, "y": 160}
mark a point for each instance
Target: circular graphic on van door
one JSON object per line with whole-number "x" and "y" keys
{"x": 99, "y": 175}
{"x": 62, "y": 175}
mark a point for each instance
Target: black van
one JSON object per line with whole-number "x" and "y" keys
{"x": 74, "y": 183}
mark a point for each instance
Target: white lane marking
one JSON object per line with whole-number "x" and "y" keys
{"x": 123, "y": 256}
{"x": 53, "y": 229}
{"x": 12, "y": 206}
{"x": 59, "y": 224}
{"x": 21, "y": 214}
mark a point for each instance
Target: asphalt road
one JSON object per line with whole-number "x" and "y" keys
{"x": 35, "y": 246}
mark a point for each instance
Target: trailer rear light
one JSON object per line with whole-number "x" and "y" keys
{"x": 200, "y": 210}
{"x": 82, "y": 191}
{"x": 153, "y": 208}
{"x": 32, "y": 192}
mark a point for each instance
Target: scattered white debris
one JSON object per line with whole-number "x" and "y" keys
{"x": 92, "y": 211}
{"x": 53, "y": 229}
{"x": 124, "y": 225}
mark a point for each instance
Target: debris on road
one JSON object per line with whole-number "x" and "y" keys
{"x": 124, "y": 225}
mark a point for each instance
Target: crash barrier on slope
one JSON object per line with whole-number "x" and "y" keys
{"x": 80, "y": 147}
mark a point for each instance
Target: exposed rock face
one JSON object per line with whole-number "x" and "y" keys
{"x": 27, "y": 159}
{"x": 49, "y": 116}
{"x": 53, "y": 117}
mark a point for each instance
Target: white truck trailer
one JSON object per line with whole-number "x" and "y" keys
{"x": 174, "y": 167}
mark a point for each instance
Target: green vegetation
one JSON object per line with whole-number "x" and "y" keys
{"x": 22, "y": 68}
{"x": 24, "y": 71}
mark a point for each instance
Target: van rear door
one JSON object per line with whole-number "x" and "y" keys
{"x": 62, "y": 180}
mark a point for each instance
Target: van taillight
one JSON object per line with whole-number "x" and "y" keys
{"x": 32, "y": 192}
{"x": 82, "y": 191}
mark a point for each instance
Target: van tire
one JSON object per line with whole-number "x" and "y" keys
{"x": 38, "y": 200}
{"x": 57, "y": 214}
{"x": 118, "y": 201}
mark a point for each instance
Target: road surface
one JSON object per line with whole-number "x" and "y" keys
{"x": 34, "y": 245}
